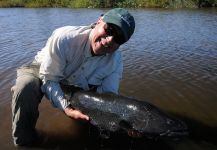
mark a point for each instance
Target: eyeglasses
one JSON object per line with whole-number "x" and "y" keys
{"x": 115, "y": 31}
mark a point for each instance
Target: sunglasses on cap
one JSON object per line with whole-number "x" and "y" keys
{"x": 115, "y": 31}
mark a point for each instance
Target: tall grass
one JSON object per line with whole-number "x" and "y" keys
{"x": 108, "y": 3}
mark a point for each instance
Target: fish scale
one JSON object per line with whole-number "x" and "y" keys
{"x": 113, "y": 113}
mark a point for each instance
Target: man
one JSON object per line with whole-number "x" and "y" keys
{"x": 82, "y": 56}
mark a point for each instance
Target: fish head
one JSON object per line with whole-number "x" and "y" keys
{"x": 154, "y": 123}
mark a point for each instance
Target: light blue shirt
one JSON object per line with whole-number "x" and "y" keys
{"x": 67, "y": 58}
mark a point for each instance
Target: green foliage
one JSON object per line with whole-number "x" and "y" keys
{"x": 48, "y": 3}
{"x": 11, "y": 3}
{"x": 109, "y": 3}
{"x": 79, "y": 4}
{"x": 128, "y": 3}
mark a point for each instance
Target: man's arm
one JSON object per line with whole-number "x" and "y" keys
{"x": 51, "y": 72}
{"x": 55, "y": 94}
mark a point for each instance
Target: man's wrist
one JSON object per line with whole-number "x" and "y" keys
{"x": 64, "y": 103}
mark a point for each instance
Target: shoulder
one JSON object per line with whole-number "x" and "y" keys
{"x": 71, "y": 34}
{"x": 71, "y": 31}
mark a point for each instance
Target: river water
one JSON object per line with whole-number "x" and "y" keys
{"x": 170, "y": 61}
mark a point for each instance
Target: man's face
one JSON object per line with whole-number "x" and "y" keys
{"x": 102, "y": 42}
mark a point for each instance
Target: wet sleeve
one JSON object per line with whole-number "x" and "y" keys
{"x": 54, "y": 93}
{"x": 52, "y": 69}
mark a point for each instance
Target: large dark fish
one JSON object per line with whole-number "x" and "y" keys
{"x": 112, "y": 113}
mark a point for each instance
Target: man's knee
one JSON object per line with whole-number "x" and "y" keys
{"x": 26, "y": 92}
{"x": 27, "y": 85}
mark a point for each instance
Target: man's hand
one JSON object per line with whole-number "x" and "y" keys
{"x": 75, "y": 114}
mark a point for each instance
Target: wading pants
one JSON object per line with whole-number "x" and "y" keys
{"x": 26, "y": 96}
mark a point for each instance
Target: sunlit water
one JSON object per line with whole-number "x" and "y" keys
{"x": 170, "y": 61}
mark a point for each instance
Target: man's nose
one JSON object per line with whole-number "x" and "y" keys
{"x": 109, "y": 39}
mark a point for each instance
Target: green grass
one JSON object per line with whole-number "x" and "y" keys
{"x": 108, "y": 3}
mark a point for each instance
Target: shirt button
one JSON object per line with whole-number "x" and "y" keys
{"x": 73, "y": 76}
{"x": 82, "y": 68}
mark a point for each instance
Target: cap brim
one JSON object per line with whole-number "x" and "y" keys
{"x": 115, "y": 21}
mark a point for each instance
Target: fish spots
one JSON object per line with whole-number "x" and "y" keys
{"x": 132, "y": 107}
{"x": 94, "y": 99}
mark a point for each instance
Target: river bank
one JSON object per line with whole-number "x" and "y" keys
{"x": 109, "y": 3}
